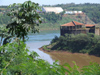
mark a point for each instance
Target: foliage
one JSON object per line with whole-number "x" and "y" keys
{"x": 24, "y": 19}
{"x": 92, "y": 69}
{"x": 91, "y": 9}
{"x": 16, "y": 60}
{"x": 52, "y": 17}
{"x": 55, "y": 26}
{"x": 4, "y": 19}
{"x": 5, "y": 37}
{"x": 96, "y": 49}
{"x": 55, "y": 39}
{"x": 84, "y": 43}
{"x": 79, "y": 16}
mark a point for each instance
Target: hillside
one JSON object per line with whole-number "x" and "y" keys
{"x": 53, "y": 21}
{"x": 92, "y": 10}
{"x": 65, "y": 19}
{"x": 81, "y": 18}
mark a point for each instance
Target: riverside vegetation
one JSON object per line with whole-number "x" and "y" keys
{"x": 81, "y": 43}
{"x": 16, "y": 59}
{"x": 71, "y": 45}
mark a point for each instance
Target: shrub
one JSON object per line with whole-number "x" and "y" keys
{"x": 84, "y": 43}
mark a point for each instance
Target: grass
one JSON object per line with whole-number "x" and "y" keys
{"x": 56, "y": 26}
{"x": 66, "y": 19}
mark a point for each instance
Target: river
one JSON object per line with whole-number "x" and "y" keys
{"x": 44, "y": 37}
{"x": 37, "y": 40}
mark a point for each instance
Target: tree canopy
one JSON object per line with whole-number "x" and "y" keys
{"x": 24, "y": 19}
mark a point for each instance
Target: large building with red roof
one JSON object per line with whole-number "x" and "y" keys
{"x": 77, "y": 28}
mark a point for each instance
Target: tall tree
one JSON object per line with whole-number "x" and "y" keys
{"x": 24, "y": 19}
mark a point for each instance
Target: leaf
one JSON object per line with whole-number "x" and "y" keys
{"x": 13, "y": 4}
{"x": 67, "y": 65}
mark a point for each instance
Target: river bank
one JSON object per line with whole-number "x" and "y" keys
{"x": 68, "y": 57}
{"x": 39, "y": 39}
{"x": 44, "y": 37}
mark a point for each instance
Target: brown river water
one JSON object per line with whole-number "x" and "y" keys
{"x": 43, "y": 38}
{"x": 67, "y": 57}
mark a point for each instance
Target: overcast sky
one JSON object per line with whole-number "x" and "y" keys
{"x": 48, "y": 2}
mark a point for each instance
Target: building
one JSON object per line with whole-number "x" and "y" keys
{"x": 93, "y": 28}
{"x": 73, "y": 12}
{"x": 77, "y": 28}
{"x": 56, "y": 10}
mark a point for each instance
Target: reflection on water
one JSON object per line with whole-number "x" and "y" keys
{"x": 43, "y": 38}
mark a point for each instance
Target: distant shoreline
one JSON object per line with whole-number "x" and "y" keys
{"x": 50, "y": 29}
{"x": 61, "y": 51}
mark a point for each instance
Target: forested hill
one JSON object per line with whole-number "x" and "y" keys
{"x": 52, "y": 20}
{"x": 4, "y": 19}
{"x": 91, "y": 10}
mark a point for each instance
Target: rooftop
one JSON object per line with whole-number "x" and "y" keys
{"x": 90, "y": 25}
{"x": 73, "y": 23}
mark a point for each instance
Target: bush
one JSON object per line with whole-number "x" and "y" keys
{"x": 84, "y": 43}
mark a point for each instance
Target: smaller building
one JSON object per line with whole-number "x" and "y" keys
{"x": 73, "y": 12}
{"x": 93, "y": 28}
{"x": 77, "y": 28}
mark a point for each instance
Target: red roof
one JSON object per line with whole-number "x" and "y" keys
{"x": 73, "y": 23}
{"x": 89, "y": 25}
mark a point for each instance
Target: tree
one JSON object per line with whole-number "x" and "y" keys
{"x": 14, "y": 58}
{"x": 24, "y": 19}
{"x": 4, "y": 36}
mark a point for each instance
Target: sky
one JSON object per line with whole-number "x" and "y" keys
{"x": 48, "y": 2}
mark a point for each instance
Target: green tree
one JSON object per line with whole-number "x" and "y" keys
{"x": 4, "y": 36}
{"x": 15, "y": 58}
{"x": 18, "y": 60}
{"x": 24, "y": 19}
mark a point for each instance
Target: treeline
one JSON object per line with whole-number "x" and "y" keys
{"x": 48, "y": 17}
{"x": 81, "y": 43}
{"x": 92, "y": 10}
{"x": 4, "y": 19}
{"x": 52, "y": 17}
{"x": 2, "y": 8}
